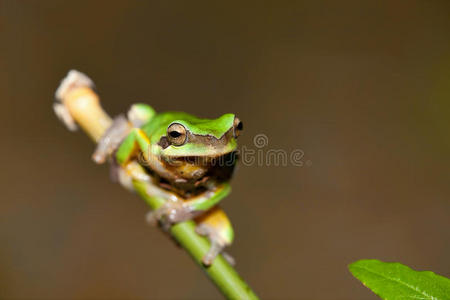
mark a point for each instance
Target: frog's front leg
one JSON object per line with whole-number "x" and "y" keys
{"x": 177, "y": 209}
{"x": 111, "y": 139}
{"x": 122, "y": 128}
{"x": 211, "y": 221}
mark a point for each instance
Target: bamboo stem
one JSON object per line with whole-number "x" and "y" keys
{"x": 80, "y": 104}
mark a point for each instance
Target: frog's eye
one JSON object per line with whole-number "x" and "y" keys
{"x": 238, "y": 127}
{"x": 176, "y": 134}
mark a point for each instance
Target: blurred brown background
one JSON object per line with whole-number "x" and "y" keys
{"x": 362, "y": 89}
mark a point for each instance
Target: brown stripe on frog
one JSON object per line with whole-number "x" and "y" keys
{"x": 208, "y": 140}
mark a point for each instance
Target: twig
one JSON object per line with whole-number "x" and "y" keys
{"x": 79, "y": 104}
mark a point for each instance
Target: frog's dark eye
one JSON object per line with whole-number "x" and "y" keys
{"x": 176, "y": 134}
{"x": 238, "y": 127}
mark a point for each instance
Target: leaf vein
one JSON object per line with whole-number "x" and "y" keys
{"x": 401, "y": 282}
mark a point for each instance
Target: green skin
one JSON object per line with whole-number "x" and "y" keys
{"x": 202, "y": 140}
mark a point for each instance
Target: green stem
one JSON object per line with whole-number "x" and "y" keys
{"x": 220, "y": 271}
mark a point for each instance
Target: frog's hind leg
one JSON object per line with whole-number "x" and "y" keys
{"x": 216, "y": 226}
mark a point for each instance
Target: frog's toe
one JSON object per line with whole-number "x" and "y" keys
{"x": 212, "y": 253}
{"x": 169, "y": 213}
{"x": 217, "y": 245}
{"x": 153, "y": 217}
{"x": 64, "y": 115}
{"x": 230, "y": 259}
{"x": 72, "y": 81}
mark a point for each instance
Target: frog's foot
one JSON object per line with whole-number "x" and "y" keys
{"x": 169, "y": 213}
{"x": 217, "y": 245}
{"x": 139, "y": 114}
{"x": 72, "y": 81}
{"x": 111, "y": 140}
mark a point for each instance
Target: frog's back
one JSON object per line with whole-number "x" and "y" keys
{"x": 157, "y": 126}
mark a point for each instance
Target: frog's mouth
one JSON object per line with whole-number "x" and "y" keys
{"x": 220, "y": 160}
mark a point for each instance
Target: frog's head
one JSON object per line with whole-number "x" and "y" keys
{"x": 193, "y": 137}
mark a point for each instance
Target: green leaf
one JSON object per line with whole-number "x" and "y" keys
{"x": 396, "y": 281}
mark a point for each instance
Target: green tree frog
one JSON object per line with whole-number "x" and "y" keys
{"x": 189, "y": 162}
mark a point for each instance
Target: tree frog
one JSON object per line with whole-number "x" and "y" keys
{"x": 189, "y": 162}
